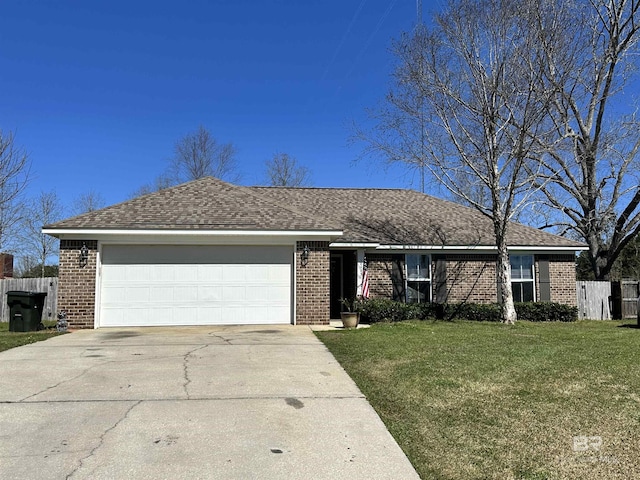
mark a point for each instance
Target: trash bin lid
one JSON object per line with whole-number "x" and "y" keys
{"x": 21, "y": 293}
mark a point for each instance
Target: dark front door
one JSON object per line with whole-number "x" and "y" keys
{"x": 342, "y": 279}
{"x": 336, "y": 284}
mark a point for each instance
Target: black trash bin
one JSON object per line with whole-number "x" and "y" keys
{"x": 25, "y": 310}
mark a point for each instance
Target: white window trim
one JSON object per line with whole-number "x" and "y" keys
{"x": 525, "y": 280}
{"x": 429, "y": 279}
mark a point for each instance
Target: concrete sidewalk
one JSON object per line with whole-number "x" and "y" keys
{"x": 257, "y": 402}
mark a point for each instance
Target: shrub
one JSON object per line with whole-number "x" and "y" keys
{"x": 546, "y": 312}
{"x": 478, "y": 312}
{"x": 383, "y": 310}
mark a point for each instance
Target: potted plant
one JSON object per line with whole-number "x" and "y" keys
{"x": 350, "y": 315}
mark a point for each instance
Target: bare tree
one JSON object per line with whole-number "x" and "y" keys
{"x": 283, "y": 171}
{"x": 160, "y": 183}
{"x": 87, "y": 202}
{"x": 14, "y": 176}
{"x": 592, "y": 173}
{"x": 37, "y": 247}
{"x": 198, "y": 155}
{"x": 470, "y": 84}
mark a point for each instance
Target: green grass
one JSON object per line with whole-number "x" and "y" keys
{"x": 15, "y": 339}
{"x": 470, "y": 400}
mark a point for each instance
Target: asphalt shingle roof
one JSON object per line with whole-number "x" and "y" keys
{"x": 406, "y": 217}
{"x": 386, "y": 216}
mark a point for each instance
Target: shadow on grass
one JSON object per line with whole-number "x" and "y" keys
{"x": 629, "y": 325}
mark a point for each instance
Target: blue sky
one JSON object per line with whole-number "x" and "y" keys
{"x": 99, "y": 92}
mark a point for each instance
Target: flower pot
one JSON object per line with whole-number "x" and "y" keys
{"x": 350, "y": 319}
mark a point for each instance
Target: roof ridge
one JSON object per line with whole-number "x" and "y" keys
{"x": 283, "y": 187}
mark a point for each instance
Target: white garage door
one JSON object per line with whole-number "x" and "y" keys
{"x": 195, "y": 285}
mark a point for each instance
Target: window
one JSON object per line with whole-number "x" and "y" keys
{"x": 522, "y": 278}
{"x": 418, "y": 278}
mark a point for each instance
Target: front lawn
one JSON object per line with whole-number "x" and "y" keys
{"x": 15, "y": 339}
{"x": 483, "y": 400}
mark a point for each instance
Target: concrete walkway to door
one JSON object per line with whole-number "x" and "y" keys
{"x": 201, "y": 402}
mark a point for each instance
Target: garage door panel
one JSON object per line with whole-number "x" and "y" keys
{"x": 234, "y": 293}
{"x": 209, "y": 293}
{"x": 221, "y": 289}
{"x": 234, "y": 273}
{"x": 156, "y": 273}
{"x": 209, "y": 315}
{"x": 186, "y": 294}
{"x": 160, "y": 294}
{"x": 210, "y": 273}
{"x": 185, "y": 273}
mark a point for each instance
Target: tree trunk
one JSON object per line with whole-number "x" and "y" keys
{"x": 509, "y": 315}
{"x": 598, "y": 257}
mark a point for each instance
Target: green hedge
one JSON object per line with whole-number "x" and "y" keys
{"x": 383, "y": 310}
{"x": 546, "y": 312}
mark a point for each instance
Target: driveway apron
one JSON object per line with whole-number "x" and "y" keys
{"x": 199, "y": 402}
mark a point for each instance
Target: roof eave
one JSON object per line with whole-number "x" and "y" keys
{"x": 491, "y": 248}
{"x": 106, "y": 233}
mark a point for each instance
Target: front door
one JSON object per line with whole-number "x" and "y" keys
{"x": 342, "y": 279}
{"x": 336, "y": 280}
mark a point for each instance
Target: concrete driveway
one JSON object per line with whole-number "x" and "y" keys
{"x": 203, "y": 402}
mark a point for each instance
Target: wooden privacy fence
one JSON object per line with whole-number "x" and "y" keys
{"x": 624, "y": 297}
{"x": 608, "y": 300}
{"x": 48, "y": 285}
{"x": 593, "y": 300}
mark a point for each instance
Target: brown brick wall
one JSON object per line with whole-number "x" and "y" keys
{"x": 471, "y": 278}
{"x": 77, "y": 285}
{"x": 312, "y": 284}
{"x": 381, "y": 271}
{"x": 562, "y": 271}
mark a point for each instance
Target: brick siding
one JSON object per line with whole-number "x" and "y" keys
{"x": 77, "y": 284}
{"x": 471, "y": 278}
{"x": 380, "y": 269}
{"x": 562, "y": 271}
{"x": 312, "y": 284}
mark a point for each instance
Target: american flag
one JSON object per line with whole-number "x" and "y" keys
{"x": 365, "y": 279}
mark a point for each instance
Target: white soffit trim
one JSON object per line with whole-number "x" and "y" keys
{"x": 488, "y": 248}
{"x": 92, "y": 234}
{"x": 353, "y": 245}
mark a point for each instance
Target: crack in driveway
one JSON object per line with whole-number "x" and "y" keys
{"x": 51, "y": 387}
{"x": 185, "y": 367}
{"x": 101, "y": 439}
{"x": 217, "y": 335}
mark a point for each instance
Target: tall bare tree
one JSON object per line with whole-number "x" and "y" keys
{"x": 14, "y": 176}
{"x": 87, "y": 202}
{"x": 43, "y": 210}
{"x": 160, "y": 183}
{"x": 592, "y": 173}
{"x": 199, "y": 154}
{"x": 283, "y": 171}
{"x": 470, "y": 85}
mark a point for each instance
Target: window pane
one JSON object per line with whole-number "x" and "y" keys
{"x": 418, "y": 292}
{"x": 527, "y": 291}
{"x": 521, "y": 266}
{"x": 517, "y": 292}
{"x": 527, "y": 266}
{"x": 417, "y": 267}
{"x": 522, "y": 291}
{"x": 514, "y": 260}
